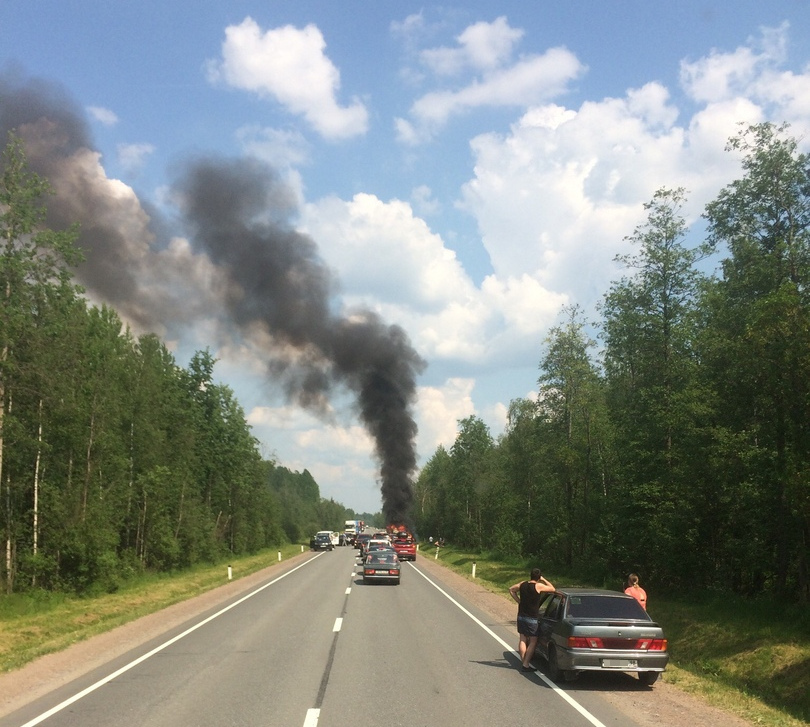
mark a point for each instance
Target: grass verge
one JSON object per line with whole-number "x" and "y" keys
{"x": 748, "y": 658}
{"x": 39, "y": 623}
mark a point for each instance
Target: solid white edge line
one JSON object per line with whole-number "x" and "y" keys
{"x": 560, "y": 692}
{"x": 338, "y": 625}
{"x": 76, "y": 697}
{"x": 312, "y": 718}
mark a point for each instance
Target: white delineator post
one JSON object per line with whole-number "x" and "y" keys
{"x": 230, "y": 573}
{"x": 473, "y": 573}
{"x": 279, "y": 556}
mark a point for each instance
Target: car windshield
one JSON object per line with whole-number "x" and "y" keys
{"x": 612, "y": 607}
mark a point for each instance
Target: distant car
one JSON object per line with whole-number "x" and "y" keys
{"x": 360, "y": 540}
{"x": 372, "y": 544}
{"x": 405, "y": 548}
{"x": 381, "y": 566}
{"x": 321, "y": 541}
{"x": 584, "y": 629}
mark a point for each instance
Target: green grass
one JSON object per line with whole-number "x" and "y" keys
{"x": 39, "y": 623}
{"x": 748, "y": 658}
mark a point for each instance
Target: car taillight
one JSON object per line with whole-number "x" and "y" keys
{"x": 585, "y": 642}
{"x": 369, "y": 571}
{"x": 657, "y": 645}
{"x": 394, "y": 572}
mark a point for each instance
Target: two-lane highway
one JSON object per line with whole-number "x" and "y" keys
{"x": 316, "y": 646}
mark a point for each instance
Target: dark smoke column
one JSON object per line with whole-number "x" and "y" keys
{"x": 238, "y": 213}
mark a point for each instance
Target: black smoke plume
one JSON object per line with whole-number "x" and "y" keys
{"x": 246, "y": 257}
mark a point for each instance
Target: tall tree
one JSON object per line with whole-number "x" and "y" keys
{"x": 34, "y": 267}
{"x": 758, "y": 347}
{"x": 571, "y": 405}
{"x": 655, "y": 400}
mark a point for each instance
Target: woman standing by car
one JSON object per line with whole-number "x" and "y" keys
{"x": 528, "y": 595}
{"x": 635, "y": 590}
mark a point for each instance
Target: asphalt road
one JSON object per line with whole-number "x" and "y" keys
{"x": 317, "y": 647}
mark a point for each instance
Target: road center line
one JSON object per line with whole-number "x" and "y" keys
{"x": 560, "y": 693}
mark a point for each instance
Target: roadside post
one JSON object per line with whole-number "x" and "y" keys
{"x": 473, "y": 570}
{"x": 230, "y": 573}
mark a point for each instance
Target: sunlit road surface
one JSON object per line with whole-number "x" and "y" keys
{"x": 316, "y": 647}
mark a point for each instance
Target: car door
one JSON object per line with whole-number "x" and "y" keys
{"x": 550, "y": 612}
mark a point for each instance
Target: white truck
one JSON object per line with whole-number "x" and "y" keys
{"x": 352, "y": 530}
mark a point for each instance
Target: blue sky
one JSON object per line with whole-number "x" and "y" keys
{"x": 465, "y": 170}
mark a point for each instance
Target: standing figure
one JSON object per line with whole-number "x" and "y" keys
{"x": 635, "y": 590}
{"x": 528, "y": 595}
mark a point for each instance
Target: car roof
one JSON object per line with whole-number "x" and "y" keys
{"x": 590, "y": 592}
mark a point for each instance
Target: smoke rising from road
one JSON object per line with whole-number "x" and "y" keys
{"x": 244, "y": 260}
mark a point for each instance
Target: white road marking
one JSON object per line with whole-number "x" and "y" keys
{"x": 76, "y": 697}
{"x": 338, "y": 624}
{"x": 312, "y": 718}
{"x": 559, "y": 692}
{"x": 348, "y": 590}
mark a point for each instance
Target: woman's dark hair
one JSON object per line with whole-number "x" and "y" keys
{"x": 536, "y": 575}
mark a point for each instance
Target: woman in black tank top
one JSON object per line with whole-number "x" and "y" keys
{"x": 528, "y": 595}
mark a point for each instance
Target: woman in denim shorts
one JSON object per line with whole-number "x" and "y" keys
{"x": 528, "y": 595}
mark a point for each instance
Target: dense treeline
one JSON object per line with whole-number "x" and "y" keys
{"x": 680, "y": 447}
{"x": 114, "y": 459}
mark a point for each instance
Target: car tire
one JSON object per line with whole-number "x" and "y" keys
{"x": 648, "y": 678}
{"x": 554, "y": 672}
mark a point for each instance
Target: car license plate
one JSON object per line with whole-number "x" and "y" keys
{"x": 383, "y": 572}
{"x": 619, "y": 663}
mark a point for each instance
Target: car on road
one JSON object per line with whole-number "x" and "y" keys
{"x": 405, "y": 548}
{"x": 381, "y": 566}
{"x": 582, "y": 629}
{"x": 321, "y": 541}
{"x": 369, "y": 545}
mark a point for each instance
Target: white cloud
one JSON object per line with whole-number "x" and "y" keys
{"x": 482, "y": 46}
{"x": 439, "y": 409}
{"x": 102, "y": 115}
{"x": 290, "y": 65}
{"x": 529, "y": 81}
{"x": 132, "y": 157}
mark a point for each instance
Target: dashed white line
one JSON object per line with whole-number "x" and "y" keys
{"x": 348, "y": 590}
{"x": 312, "y": 718}
{"x": 338, "y": 624}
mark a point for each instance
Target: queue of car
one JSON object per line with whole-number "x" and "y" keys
{"x": 379, "y": 560}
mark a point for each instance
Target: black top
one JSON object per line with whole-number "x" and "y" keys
{"x": 529, "y": 600}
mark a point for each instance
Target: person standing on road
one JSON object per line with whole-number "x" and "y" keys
{"x": 528, "y": 595}
{"x": 635, "y": 590}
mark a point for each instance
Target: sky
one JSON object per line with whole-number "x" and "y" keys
{"x": 444, "y": 179}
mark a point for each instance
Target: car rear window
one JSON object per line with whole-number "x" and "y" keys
{"x": 609, "y": 607}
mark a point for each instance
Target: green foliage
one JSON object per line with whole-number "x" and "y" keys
{"x": 114, "y": 460}
{"x": 685, "y": 457}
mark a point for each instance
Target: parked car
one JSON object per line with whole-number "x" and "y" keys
{"x": 381, "y": 566}
{"x": 583, "y": 629}
{"x": 321, "y": 541}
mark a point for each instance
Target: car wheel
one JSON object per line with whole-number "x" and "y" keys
{"x": 554, "y": 672}
{"x": 648, "y": 678}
